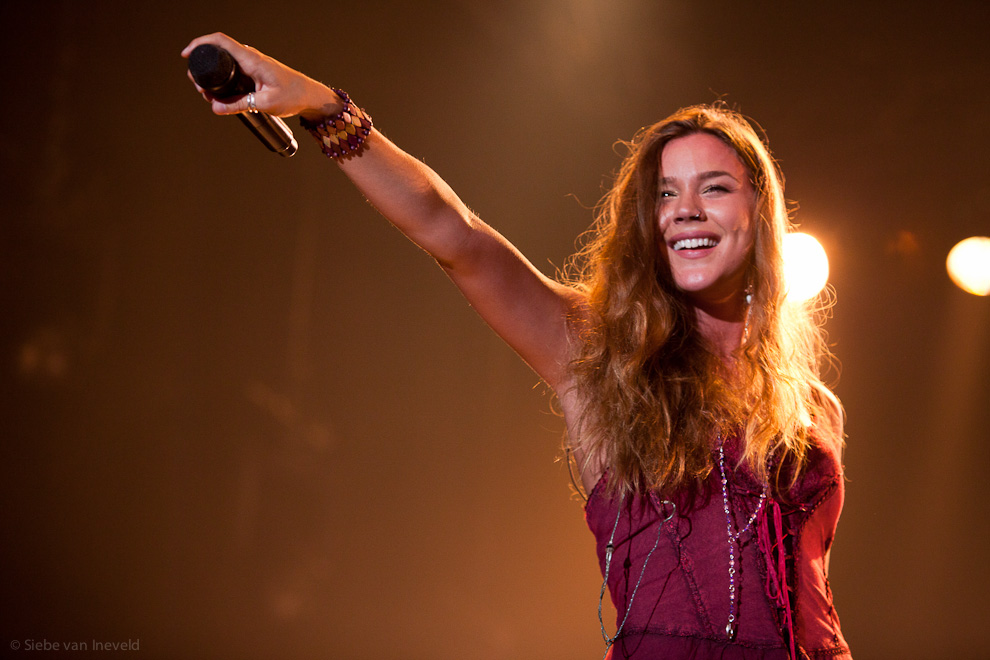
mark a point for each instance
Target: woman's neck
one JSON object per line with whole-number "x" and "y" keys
{"x": 722, "y": 325}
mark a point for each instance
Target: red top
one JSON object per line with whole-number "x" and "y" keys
{"x": 682, "y": 605}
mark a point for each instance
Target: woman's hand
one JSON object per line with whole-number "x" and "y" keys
{"x": 279, "y": 90}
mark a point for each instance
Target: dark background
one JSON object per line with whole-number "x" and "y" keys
{"x": 243, "y": 418}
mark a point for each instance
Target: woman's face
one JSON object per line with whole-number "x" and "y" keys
{"x": 706, "y": 217}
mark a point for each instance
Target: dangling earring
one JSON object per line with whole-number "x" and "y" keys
{"x": 749, "y": 307}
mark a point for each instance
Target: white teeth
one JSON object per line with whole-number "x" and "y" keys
{"x": 693, "y": 243}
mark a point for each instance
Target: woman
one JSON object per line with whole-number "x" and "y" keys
{"x": 690, "y": 390}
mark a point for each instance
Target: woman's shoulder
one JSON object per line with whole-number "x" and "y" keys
{"x": 822, "y": 470}
{"x": 825, "y": 451}
{"x": 828, "y": 424}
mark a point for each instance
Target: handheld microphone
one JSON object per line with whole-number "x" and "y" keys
{"x": 216, "y": 71}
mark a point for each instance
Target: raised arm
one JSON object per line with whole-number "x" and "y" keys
{"x": 526, "y": 308}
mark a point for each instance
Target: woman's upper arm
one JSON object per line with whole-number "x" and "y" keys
{"x": 527, "y": 309}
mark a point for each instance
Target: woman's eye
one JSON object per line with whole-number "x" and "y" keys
{"x": 718, "y": 188}
{"x": 666, "y": 194}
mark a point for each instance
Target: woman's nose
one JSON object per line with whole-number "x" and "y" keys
{"x": 688, "y": 208}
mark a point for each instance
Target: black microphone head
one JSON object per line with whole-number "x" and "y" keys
{"x": 216, "y": 71}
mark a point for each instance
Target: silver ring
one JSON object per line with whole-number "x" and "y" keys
{"x": 252, "y": 108}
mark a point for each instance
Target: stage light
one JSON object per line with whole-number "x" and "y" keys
{"x": 805, "y": 267}
{"x": 968, "y": 264}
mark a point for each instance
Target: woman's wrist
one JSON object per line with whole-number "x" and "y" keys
{"x": 322, "y": 102}
{"x": 343, "y": 133}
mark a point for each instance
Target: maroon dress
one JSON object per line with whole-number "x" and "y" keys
{"x": 681, "y": 607}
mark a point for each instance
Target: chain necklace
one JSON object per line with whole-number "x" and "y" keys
{"x": 730, "y": 627}
{"x": 733, "y": 538}
{"x": 608, "y": 565}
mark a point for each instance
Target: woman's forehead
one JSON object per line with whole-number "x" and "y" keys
{"x": 700, "y": 155}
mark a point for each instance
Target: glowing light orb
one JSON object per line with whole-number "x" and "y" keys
{"x": 968, "y": 264}
{"x": 805, "y": 267}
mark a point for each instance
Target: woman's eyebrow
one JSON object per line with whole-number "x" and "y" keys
{"x": 714, "y": 174}
{"x": 704, "y": 176}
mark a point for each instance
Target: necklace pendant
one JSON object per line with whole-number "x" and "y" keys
{"x": 730, "y": 630}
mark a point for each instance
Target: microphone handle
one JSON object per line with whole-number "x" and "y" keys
{"x": 272, "y": 132}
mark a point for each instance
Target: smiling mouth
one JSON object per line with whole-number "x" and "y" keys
{"x": 694, "y": 244}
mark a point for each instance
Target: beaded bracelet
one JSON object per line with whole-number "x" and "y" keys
{"x": 344, "y": 132}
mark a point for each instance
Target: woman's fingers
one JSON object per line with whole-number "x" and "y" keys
{"x": 233, "y": 106}
{"x": 216, "y": 39}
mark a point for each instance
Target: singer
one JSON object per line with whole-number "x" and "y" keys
{"x": 702, "y": 433}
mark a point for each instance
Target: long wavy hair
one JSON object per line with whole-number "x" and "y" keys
{"x": 655, "y": 394}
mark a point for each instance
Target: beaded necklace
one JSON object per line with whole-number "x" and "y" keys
{"x": 730, "y": 627}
